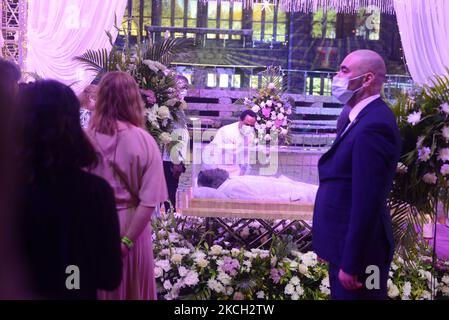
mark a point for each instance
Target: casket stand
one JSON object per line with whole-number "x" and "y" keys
{"x": 286, "y": 214}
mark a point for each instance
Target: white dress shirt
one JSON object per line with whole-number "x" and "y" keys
{"x": 355, "y": 111}
{"x": 229, "y": 150}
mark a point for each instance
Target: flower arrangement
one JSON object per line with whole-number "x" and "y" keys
{"x": 164, "y": 102}
{"x": 423, "y": 119}
{"x": 272, "y": 114}
{"x": 186, "y": 269}
{"x": 148, "y": 63}
{"x": 421, "y": 182}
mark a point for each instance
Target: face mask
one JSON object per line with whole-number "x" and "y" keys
{"x": 340, "y": 88}
{"x": 246, "y": 130}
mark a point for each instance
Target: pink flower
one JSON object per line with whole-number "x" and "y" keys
{"x": 266, "y": 112}
{"x": 278, "y": 123}
{"x": 149, "y": 96}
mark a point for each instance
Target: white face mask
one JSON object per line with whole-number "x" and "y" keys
{"x": 340, "y": 88}
{"x": 246, "y": 130}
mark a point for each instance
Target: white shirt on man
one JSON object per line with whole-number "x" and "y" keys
{"x": 229, "y": 150}
{"x": 355, "y": 111}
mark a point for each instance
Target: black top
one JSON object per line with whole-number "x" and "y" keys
{"x": 71, "y": 219}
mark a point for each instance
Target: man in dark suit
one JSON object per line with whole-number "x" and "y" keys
{"x": 352, "y": 225}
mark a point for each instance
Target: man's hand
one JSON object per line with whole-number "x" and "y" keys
{"x": 349, "y": 282}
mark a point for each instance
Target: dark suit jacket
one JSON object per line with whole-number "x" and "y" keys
{"x": 351, "y": 223}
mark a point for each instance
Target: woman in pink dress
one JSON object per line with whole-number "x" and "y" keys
{"x": 132, "y": 164}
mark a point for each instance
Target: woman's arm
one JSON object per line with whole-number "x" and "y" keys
{"x": 138, "y": 223}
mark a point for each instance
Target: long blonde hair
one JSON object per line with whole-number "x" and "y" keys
{"x": 89, "y": 92}
{"x": 118, "y": 99}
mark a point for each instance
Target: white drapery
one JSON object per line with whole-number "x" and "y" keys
{"x": 424, "y": 29}
{"x": 59, "y": 30}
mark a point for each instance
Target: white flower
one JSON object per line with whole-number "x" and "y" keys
{"x": 262, "y": 104}
{"x": 294, "y": 280}
{"x": 295, "y": 296}
{"x": 445, "y": 133}
{"x": 309, "y": 259}
{"x": 158, "y": 272}
{"x": 445, "y": 291}
{"x": 407, "y": 289}
{"x": 325, "y": 290}
{"x": 426, "y": 295}
{"x": 303, "y": 269}
{"x": 163, "y": 112}
{"x": 202, "y": 263}
{"x": 325, "y": 282}
{"x": 424, "y": 154}
{"x": 288, "y": 111}
{"x": 174, "y": 237}
{"x": 267, "y": 137}
{"x": 255, "y": 108}
{"x": 401, "y": 168}
{"x": 224, "y": 278}
{"x": 299, "y": 290}
{"x": 182, "y": 271}
{"x": 248, "y": 265}
{"x": 445, "y": 279}
{"x": 229, "y": 291}
{"x": 269, "y": 124}
{"x": 293, "y": 265}
{"x": 274, "y": 116}
{"x": 164, "y": 264}
{"x": 176, "y": 258}
{"x": 274, "y": 260}
{"x": 165, "y": 137}
{"x": 235, "y": 252}
{"x": 281, "y": 116}
{"x": 215, "y": 286}
{"x": 289, "y": 289}
{"x": 167, "y": 285}
{"x": 443, "y": 155}
{"x": 216, "y": 250}
{"x": 284, "y": 131}
{"x": 444, "y": 169}
{"x": 445, "y": 108}
{"x": 414, "y": 118}
{"x": 430, "y": 178}
{"x": 271, "y": 86}
{"x": 191, "y": 279}
{"x": 260, "y": 295}
{"x": 151, "y": 116}
{"x": 269, "y": 103}
{"x": 393, "y": 290}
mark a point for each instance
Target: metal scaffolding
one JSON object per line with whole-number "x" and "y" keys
{"x": 13, "y": 15}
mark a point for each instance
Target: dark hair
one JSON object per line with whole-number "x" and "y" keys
{"x": 52, "y": 134}
{"x": 248, "y": 112}
{"x": 9, "y": 71}
{"x": 213, "y": 178}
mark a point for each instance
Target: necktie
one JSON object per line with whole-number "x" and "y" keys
{"x": 343, "y": 120}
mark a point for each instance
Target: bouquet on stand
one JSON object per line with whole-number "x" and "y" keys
{"x": 272, "y": 109}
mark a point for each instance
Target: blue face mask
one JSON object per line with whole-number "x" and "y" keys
{"x": 340, "y": 88}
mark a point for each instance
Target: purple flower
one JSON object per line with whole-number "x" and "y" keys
{"x": 275, "y": 275}
{"x": 230, "y": 266}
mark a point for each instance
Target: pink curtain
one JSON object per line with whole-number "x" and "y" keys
{"x": 59, "y": 30}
